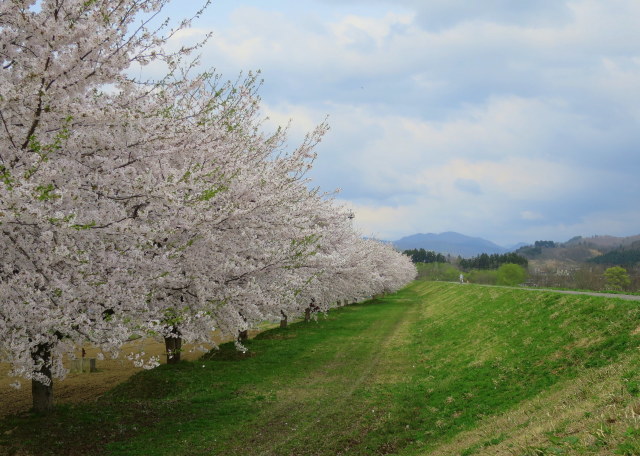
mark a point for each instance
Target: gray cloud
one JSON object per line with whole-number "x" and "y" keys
{"x": 468, "y": 186}
{"x": 519, "y": 117}
{"x": 442, "y": 14}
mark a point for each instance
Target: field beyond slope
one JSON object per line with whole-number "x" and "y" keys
{"x": 438, "y": 368}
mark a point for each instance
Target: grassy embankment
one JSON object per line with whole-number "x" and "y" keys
{"x": 438, "y": 368}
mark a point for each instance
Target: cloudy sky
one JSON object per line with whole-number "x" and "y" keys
{"x": 512, "y": 121}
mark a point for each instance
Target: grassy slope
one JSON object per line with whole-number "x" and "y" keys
{"x": 435, "y": 369}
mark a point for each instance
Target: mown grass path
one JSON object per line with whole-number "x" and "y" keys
{"x": 601, "y": 294}
{"x": 407, "y": 374}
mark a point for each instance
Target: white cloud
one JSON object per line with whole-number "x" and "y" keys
{"x": 518, "y": 118}
{"x": 374, "y": 221}
{"x": 353, "y": 30}
{"x": 531, "y": 215}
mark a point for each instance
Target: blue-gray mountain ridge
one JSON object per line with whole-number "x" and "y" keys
{"x": 451, "y": 243}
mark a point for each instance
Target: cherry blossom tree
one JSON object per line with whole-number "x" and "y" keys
{"x": 151, "y": 208}
{"x": 251, "y": 236}
{"x": 345, "y": 266}
{"x": 240, "y": 206}
{"x": 72, "y": 145}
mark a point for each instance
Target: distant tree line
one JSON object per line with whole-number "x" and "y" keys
{"x": 547, "y": 244}
{"x": 536, "y": 248}
{"x": 425, "y": 256}
{"x": 622, "y": 257}
{"x": 494, "y": 261}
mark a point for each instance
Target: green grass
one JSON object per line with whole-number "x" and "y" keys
{"x": 430, "y": 370}
{"x": 584, "y": 290}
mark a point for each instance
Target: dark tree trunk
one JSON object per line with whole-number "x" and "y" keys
{"x": 283, "y": 320}
{"x": 173, "y": 346}
{"x": 41, "y": 394}
{"x": 311, "y": 309}
{"x": 243, "y": 335}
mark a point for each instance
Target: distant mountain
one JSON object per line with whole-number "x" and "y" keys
{"x": 574, "y": 251}
{"x": 604, "y": 242}
{"x": 607, "y": 250}
{"x": 626, "y": 255}
{"x": 513, "y": 248}
{"x": 452, "y": 243}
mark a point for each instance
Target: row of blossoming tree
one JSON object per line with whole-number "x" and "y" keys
{"x": 160, "y": 208}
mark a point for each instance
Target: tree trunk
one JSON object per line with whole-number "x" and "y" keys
{"x": 312, "y": 308}
{"x": 243, "y": 335}
{"x": 41, "y": 394}
{"x": 173, "y": 346}
{"x": 283, "y": 320}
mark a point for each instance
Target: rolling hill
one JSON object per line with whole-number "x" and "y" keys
{"x": 580, "y": 249}
{"x": 451, "y": 243}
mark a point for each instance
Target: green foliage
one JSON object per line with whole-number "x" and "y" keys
{"x": 617, "y": 278}
{"x": 425, "y": 256}
{"x": 629, "y": 256}
{"x": 511, "y": 274}
{"x": 485, "y": 261}
{"x": 209, "y": 193}
{"x": 84, "y": 226}
{"x": 66, "y": 219}
{"x": 483, "y": 276}
{"x": 631, "y": 381}
{"x": 6, "y": 178}
{"x": 46, "y": 192}
{"x": 532, "y": 251}
{"x": 545, "y": 244}
{"x": 437, "y": 272}
{"x": 631, "y": 444}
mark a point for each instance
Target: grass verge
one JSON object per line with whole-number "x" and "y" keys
{"x": 432, "y": 369}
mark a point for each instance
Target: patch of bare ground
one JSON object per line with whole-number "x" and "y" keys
{"x": 84, "y": 386}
